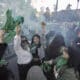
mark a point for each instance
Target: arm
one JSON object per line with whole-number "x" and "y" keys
{"x": 17, "y": 42}
{"x": 56, "y": 73}
{"x": 41, "y": 53}
{"x": 49, "y": 62}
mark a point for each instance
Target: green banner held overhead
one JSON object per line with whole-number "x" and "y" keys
{"x": 10, "y": 25}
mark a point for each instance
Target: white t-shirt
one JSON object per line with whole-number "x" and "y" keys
{"x": 23, "y": 56}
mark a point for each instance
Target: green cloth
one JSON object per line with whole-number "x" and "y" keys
{"x": 46, "y": 67}
{"x": 60, "y": 62}
{"x": 9, "y": 36}
{"x": 10, "y": 25}
{"x": 33, "y": 48}
{"x": 3, "y": 62}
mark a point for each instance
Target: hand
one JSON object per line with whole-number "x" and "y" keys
{"x": 35, "y": 59}
{"x": 56, "y": 75}
{"x": 78, "y": 43}
{"x": 49, "y": 62}
{"x": 55, "y": 72}
{"x": 18, "y": 30}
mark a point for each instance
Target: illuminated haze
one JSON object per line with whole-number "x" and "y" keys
{"x": 62, "y": 4}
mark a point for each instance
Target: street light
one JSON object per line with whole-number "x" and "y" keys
{"x": 78, "y": 3}
{"x": 56, "y": 5}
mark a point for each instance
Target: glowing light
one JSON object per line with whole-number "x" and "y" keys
{"x": 37, "y": 14}
{"x": 25, "y": 0}
{"x": 50, "y": 3}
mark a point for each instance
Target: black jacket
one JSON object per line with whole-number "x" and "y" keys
{"x": 3, "y": 47}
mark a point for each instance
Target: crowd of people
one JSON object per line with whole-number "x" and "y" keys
{"x": 56, "y": 60}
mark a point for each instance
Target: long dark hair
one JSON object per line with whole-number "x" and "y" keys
{"x": 36, "y": 35}
{"x": 52, "y": 50}
{"x": 23, "y": 40}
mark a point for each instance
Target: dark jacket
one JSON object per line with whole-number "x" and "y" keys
{"x": 3, "y": 47}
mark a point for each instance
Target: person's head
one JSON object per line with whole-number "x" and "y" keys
{"x": 79, "y": 34}
{"x": 43, "y": 24}
{"x": 18, "y": 29}
{"x": 47, "y": 9}
{"x": 64, "y": 52}
{"x": 36, "y": 39}
{"x": 2, "y": 32}
{"x": 24, "y": 42}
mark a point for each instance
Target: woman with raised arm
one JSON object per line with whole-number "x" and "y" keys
{"x": 24, "y": 57}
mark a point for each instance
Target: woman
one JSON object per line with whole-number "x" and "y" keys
{"x": 24, "y": 57}
{"x": 61, "y": 62}
{"x": 52, "y": 50}
{"x": 37, "y": 50}
{"x": 25, "y": 44}
{"x": 61, "y": 68}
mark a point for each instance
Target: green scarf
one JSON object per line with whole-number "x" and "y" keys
{"x": 3, "y": 62}
{"x": 46, "y": 67}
